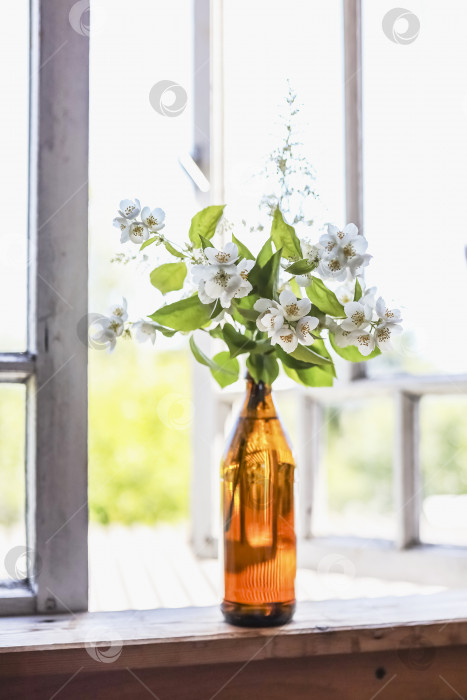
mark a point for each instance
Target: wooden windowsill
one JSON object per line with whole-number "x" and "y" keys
{"x": 197, "y": 636}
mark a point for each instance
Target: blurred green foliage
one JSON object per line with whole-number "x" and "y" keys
{"x": 139, "y": 434}
{"x": 358, "y": 454}
{"x": 12, "y": 443}
{"x": 444, "y": 444}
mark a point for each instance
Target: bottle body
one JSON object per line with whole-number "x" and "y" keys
{"x": 259, "y": 543}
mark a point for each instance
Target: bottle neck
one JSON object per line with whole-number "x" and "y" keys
{"x": 258, "y": 401}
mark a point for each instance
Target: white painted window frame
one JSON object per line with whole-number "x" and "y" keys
{"x": 54, "y": 369}
{"x": 406, "y": 558}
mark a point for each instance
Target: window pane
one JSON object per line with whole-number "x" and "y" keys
{"x": 14, "y": 87}
{"x": 12, "y": 478}
{"x": 415, "y": 137}
{"x": 266, "y": 43}
{"x": 444, "y": 469}
{"x": 139, "y": 396}
{"x": 355, "y": 492}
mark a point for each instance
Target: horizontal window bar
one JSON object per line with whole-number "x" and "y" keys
{"x": 16, "y": 367}
{"x": 364, "y": 388}
{"x": 17, "y": 599}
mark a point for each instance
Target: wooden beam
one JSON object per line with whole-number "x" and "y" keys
{"x": 414, "y": 647}
{"x": 199, "y": 635}
{"x": 58, "y": 233}
{"x": 16, "y": 367}
{"x": 410, "y": 673}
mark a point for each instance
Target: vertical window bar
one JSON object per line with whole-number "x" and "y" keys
{"x": 57, "y": 400}
{"x": 309, "y": 451}
{"x": 407, "y": 470}
{"x": 353, "y": 127}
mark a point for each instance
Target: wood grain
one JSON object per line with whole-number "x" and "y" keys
{"x": 388, "y": 675}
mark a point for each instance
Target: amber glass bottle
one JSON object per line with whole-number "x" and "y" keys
{"x": 258, "y": 516}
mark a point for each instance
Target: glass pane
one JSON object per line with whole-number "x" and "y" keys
{"x": 13, "y": 554}
{"x": 14, "y": 87}
{"x": 443, "y": 454}
{"x": 140, "y": 396}
{"x": 283, "y": 42}
{"x": 415, "y": 137}
{"x": 355, "y": 491}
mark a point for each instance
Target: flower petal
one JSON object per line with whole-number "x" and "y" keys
{"x": 286, "y": 338}
{"x": 304, "y": 329}
{"x": 263, "y": 304}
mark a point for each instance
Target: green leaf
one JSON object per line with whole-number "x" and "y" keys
{"x": 352, "y": 353}
{"x": 168, "y": 277}
{"x": 301, "y": 267}
{"x": 168, "y": 332}
{"x": 205, "y": 243}
{"x": 266, "y": 278}
{"x": 242, "y": 249}
{"x": 185, "y": 315}
{"x": 173, "y": 251}
{"x": 284, "y": 237}
{"x": 224, "y": 360}
{"x": 204, "y": 224}
{"x": 295, "y": 288}
{"x": 237, "y": 342}
{"x": 323, "y": 298}
{"x": 243, "y": 311}
{"x": 307, "y": 354}
{"x": 358, "y": 290}
{"x": 228, "y": 370}
{"x": 314, "y": 376}
{"x": 265, "y": 253}
{"x": 263, "y": 368}
{"x": 148, "y": 242}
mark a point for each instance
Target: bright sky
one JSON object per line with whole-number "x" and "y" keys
{"x": 415, "y": 135}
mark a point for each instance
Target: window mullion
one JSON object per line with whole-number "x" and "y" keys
{"x": 353, "y": 127}
{"x": 57, "y": 396}
{"x": 406, "y": 470}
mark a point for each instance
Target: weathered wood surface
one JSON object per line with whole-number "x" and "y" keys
{"x": 438, "y": 675}
{"x": 326, "y": 627}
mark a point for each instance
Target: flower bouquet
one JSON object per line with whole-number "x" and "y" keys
{"x": 272, "y": 308}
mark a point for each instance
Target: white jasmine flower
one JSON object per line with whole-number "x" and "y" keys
{"x": 243, "y": 268}
{"x": 219, "y": 282}
{"x": 129, "y": 208}
{"x": 108, "y": 332}
{"x": 124, "y": 226}
{"x": 343, "y": 249}
{"x": 286, "y": 338}
{"x": 293, "y": 308}
{"x": 358, "y": 316}
{"x": 364, "y": 340}
{"x": 384, "y": 333}
{"x": 312, "y": 251}
{"x": 332, "y": 268}
{"x": 228, "y": 256}
{"x": 144, "y": 330}
{"x": 199, "y": 272}
{"x": 154, "y": 219}
{"x": 388, "y": 316}
{"x": 138, "y": 232}
{"x": 357, "y": 263}
{"x": 345, "y": 293}
{"x": 304, "y": 327}
{"x": 342, "y": 337}
{"x": 118, "y": 312}
{"x": 271, "y": 316}
{"x": 336, "y": 239}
